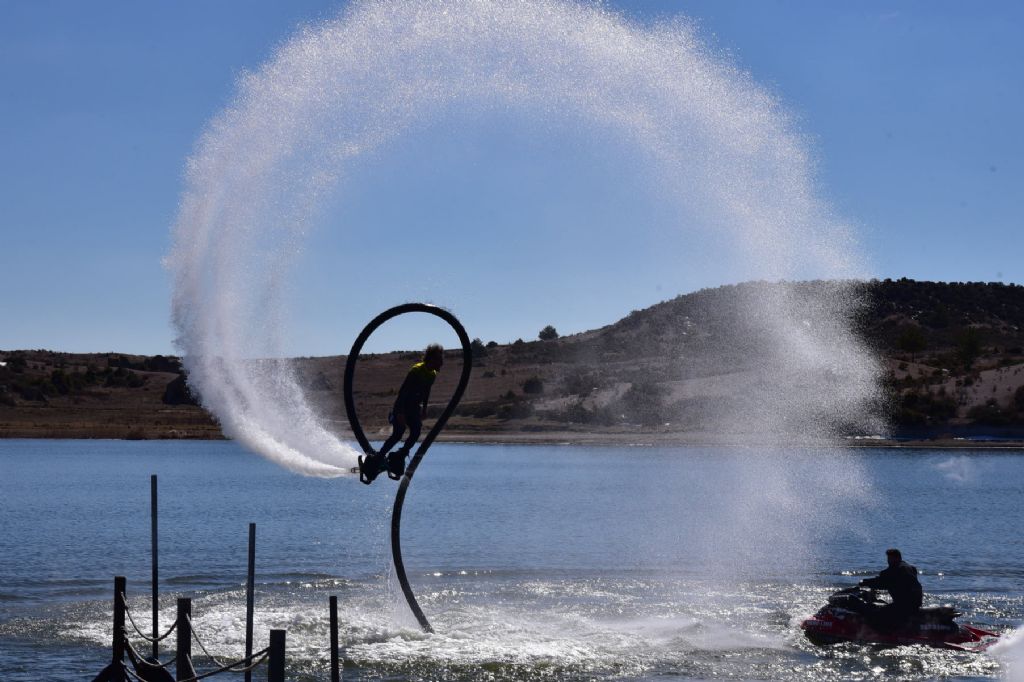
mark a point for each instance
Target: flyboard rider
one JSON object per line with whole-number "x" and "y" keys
{"x": 407, "y": 413}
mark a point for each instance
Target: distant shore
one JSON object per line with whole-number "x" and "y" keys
{"x": 950, "y": 376}
{"x": 708, "y": 440}
{"x": 552, "y": 437}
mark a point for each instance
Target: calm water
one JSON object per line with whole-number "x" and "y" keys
{"x": 531, "y": 562}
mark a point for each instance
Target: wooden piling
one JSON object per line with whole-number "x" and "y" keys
{"x": 250, "y": 586}
{"x": 117, "y": 673}
{"x": 275, "y": 666}
{"x": 335, "y": 667}
{"x": 156, "y": 590}
{"x": 183, "y": 669}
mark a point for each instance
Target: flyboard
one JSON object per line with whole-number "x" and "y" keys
{"x": 421, "y": 450}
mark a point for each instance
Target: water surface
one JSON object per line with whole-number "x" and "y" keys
{"x": 532, "y": 562}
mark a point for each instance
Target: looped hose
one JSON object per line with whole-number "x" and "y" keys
{"x": 357, "y": 429}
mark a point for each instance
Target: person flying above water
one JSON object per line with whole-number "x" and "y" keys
{"x": 408, "y": 411}
{"x": 900, "y": 581}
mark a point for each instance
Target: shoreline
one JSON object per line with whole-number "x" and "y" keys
{"x": 567, "y": 438}
{"x": 676, "y": 440}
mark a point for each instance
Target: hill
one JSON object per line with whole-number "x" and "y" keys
{"x": 954, "y": 353}
{"x": 951, "y": 355}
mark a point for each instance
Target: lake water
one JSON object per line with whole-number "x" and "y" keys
{"x": 531, "y": 562}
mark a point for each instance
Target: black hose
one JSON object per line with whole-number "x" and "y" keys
{"x": 357, "y": 429}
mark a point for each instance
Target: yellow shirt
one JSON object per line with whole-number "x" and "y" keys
{"x": 416, "y": 387}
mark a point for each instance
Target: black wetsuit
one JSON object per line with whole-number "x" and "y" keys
{"x": 900, "y": 581}
{"x": 412, "y": 398}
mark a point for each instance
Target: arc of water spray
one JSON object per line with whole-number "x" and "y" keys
{"x": 719, "y": 147}
{"x": 357, "y": 429}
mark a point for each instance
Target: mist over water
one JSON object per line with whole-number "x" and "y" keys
{"x": 718, "y": 146}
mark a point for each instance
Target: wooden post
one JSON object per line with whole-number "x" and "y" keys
{"x": 335, "y": 668}
{"x": 250, "y": 585}
{"x": 275, "y": 666}
{"x": 183, "y": 669}
{"x": 156, "y": 590}
{"x": 117, "y": 673}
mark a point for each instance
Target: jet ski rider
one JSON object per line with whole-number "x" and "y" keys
{"x": 900, "y": 581}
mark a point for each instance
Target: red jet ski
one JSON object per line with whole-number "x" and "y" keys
{"x": 846, "y": 618}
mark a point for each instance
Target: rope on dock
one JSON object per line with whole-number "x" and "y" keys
{"x": 132, "y": 674}
{"x": 142, "y": 634}
{"x": 254, "y": 660}
{"x": 138, "y": 659}
{"x": 195, "y": 636}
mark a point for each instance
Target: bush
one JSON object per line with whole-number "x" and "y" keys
{"x": 642, "y": 403}
{"x": 517, "y": 410}
{"x": 990, "y": 413}
{"x": 17, "y": 363}
{"x": 485, "y": 410}
{"x": 916, "y": 409}
{"x": 968, "y": 347}
{"x": 160, "y": 363}
{"x": 581, "y": 383}
{"x": 116, "y": 377}
{"x": 32, "y": 392}
{"x": 576, "y": 413}
{"x": 911, "y": 340}
{"x": 533, "y": 386}
{"x": 61, "y": 381}
{"x": 548, "y": 333}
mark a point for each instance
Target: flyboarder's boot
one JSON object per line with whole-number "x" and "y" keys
{"x": 370, "y": 467}
{"x": 396, "y": 463}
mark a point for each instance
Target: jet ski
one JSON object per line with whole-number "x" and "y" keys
{"x": 847, "y": 618}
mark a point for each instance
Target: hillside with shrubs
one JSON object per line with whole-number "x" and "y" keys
{"x": 951, "y": 358}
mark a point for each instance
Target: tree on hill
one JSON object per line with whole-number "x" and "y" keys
{"x": 533, "y": 385}
{"x": 968, "y": 346}
{"x": 548, "y": 333}
{"x": 911, "y": 340}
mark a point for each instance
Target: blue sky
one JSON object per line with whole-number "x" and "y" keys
{"x": 912, "y": 111}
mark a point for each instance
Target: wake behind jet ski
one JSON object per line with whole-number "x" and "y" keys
{"x": 849, "y": 617}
